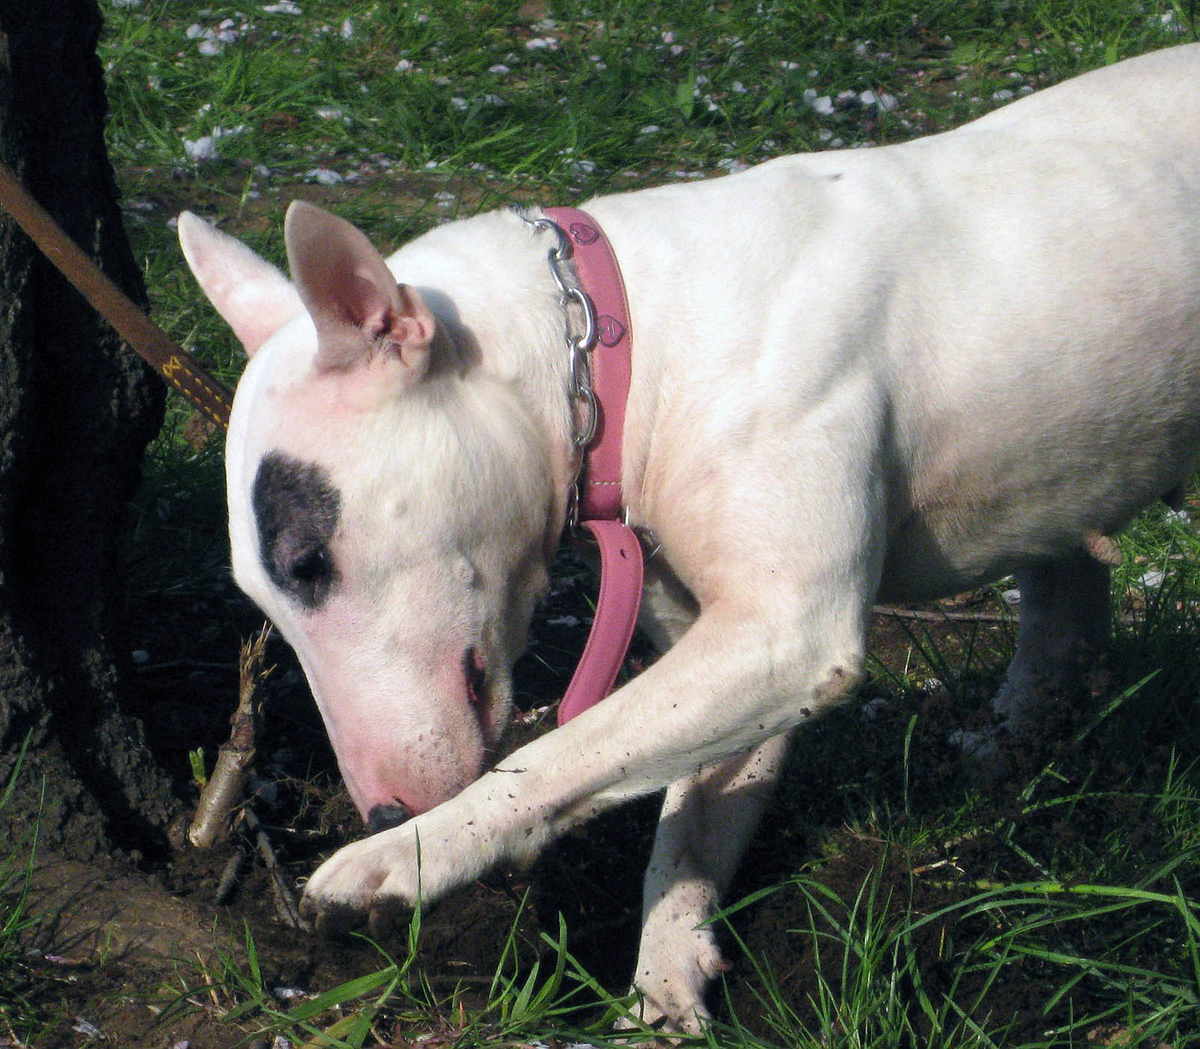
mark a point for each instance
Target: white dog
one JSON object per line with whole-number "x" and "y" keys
{"x": 896, "y": 372}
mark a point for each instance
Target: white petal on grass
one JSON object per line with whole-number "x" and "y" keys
{"x": 403, "y": 66}
{"x": 203, "y": 148}
{"x": 324, "y": 177}
{"x": 330, "y": 112}
{"x": 821, "y": 104}
{"x": 284, "y": 7}
{"x": 884, "y": 102}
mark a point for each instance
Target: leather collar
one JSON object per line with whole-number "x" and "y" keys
{"x": 599, "y": 495}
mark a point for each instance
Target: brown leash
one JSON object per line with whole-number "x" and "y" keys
{"x": 144, "y": 337}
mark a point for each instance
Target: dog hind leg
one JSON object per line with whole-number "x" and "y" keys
{"x": 1065, "y": 618}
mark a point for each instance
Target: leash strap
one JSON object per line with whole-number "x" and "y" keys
{"x": 621, "y": 562}
{"x": 144, "y": 337}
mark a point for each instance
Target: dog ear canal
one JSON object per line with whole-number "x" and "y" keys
{"x": 354, "y": 300}
{"x": 312, "y": 577}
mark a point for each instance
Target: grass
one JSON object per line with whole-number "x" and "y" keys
{"x": 901, "y": 904}
{"x": 19, "y": 1010}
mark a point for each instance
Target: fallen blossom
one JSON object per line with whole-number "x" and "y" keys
{"x": 884, "y": 102}
{"x": 324, "y": 176}
{"x": 819, "y": 103}
{"x": 203, "y": 148}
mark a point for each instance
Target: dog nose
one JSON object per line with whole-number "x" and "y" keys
{"x": 381, "y": 817}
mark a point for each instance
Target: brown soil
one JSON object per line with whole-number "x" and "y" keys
{"x": 131, "y": 958}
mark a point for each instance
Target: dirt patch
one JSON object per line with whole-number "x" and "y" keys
{"x": 131, "y": 958}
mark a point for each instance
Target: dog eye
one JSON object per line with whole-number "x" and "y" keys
{"x": 312, "y": 575}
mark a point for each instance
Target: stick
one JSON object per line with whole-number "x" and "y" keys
{"x": 940, "y": 617}
{"x": 285, "y": 902}
{"x": 223, "y": 791}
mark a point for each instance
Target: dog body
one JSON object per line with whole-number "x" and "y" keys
{"x": 899, "y": 372}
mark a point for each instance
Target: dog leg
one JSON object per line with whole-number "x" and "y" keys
{"x": 1065, "y": 612}
{"x": 730, "y": 684}
{"x": 707, "y": 822}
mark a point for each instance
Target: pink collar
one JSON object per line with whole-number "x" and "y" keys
{"x": 598, "y": 494}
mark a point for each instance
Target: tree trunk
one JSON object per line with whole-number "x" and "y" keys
{"x": 77, "y": 409}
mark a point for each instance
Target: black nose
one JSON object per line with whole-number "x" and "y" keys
{"x": 381, "y": 817}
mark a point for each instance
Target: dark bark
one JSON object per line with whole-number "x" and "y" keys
{"x": 76, "y": 411}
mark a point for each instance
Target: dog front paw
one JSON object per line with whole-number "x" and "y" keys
{"x": 371, "y": 885}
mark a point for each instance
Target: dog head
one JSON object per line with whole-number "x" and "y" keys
{"x": 391, "y": 503}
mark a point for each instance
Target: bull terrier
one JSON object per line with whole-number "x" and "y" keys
{"x": 888, "y": 374}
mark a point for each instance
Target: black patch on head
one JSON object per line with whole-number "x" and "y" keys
{"x": 296, "y": 507}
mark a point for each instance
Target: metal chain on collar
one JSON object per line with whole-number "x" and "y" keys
{"x": 580, "y": 346}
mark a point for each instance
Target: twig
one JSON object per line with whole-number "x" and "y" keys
{"x": 223, "y": 791}
{"x": 186, "y": 664}
{"x": 285, "y": 902}
{"x": 941, "y": 617}
{"x": 229, "y": 876}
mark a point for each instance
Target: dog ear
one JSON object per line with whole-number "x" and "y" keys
{"x": 354, "y": 300}
{"x": 252, "y": 295}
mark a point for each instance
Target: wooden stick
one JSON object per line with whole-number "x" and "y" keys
{"x": 285, "y": 901}
{"x": 223, "y": 792}
{"x": 934, "y": 616}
